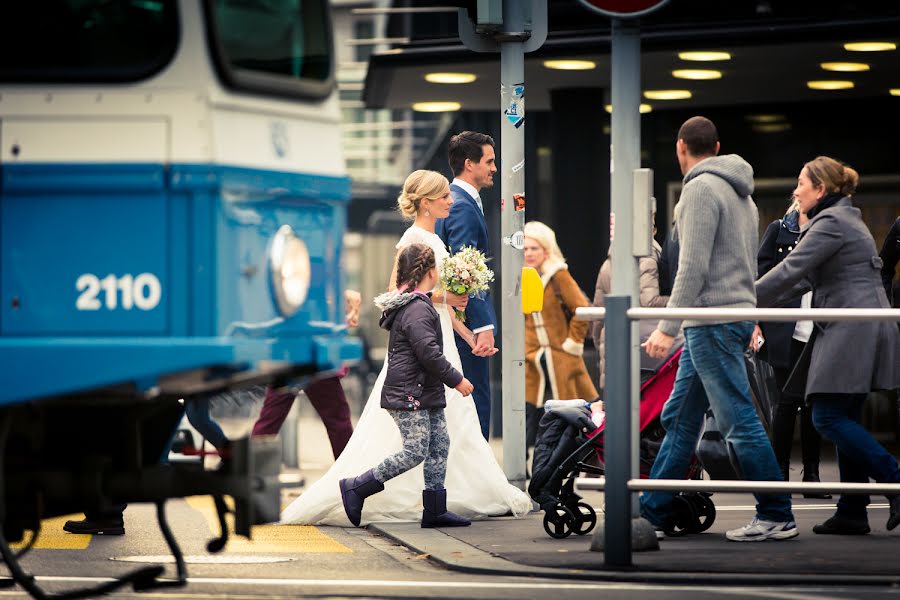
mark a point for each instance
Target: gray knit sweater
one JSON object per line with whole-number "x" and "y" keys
{"x": 716, "y": 224}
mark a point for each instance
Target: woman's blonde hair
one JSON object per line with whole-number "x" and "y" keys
{"x": 421, "y": 185}
{"x": 793, "y": 206}
{"x": 544, "y": 236}
{"x": 834, "y": 175}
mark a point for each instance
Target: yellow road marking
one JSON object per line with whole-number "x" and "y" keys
{"x": 54, "y": 538}
{"x": 269, "y": 538}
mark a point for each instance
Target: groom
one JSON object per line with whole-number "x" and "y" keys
{"x": 471, "y": 157}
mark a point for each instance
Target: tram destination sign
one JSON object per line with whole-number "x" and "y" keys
{"x": 623, "y": 9}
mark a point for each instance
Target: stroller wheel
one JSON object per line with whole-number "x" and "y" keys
{"x": 684, "y": 518}
{"x": 706, "y": 511}
{"x": 585, "y": 517}
{"x": 559, "y": 522}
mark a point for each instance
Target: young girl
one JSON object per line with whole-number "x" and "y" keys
{"x": 413, "y": 392}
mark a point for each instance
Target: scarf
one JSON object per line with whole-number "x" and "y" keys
{"x": 826, "y": 202}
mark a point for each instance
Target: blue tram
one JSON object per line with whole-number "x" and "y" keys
{"x": 172, "y": 206}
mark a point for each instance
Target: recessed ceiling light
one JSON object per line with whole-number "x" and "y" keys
{"x": 570, "y": 65}
{"x": 667, "y": 94}
{"x": 704, "y": 55}
{"x": 894, "y": 91}
{"x": 697, "y": 74}
{"x": 436, "y": 106}
{"x": 643, "y": 109}
{"x": 869, "y": 46}
{"x": 829, "y": 85}
{"x": 844, "y": 67}
{"x": 765, "y": 118}
{"x": 450, "y": 77}
{"x": 771, "y": 127}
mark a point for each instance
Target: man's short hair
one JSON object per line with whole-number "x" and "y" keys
{"x": 466, "y": 145}
{"x": 700, "y": 136}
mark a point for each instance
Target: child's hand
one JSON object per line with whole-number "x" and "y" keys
{"x": 465, "y": 387}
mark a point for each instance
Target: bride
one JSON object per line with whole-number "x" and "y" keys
{"x": 476, "y": 486}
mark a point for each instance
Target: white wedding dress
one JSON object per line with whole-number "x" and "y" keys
{"x": 476, "y": 485}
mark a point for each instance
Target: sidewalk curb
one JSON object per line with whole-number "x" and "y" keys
{"x": 454, "y": 554}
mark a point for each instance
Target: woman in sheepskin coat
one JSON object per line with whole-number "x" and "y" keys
{"x": 554, "y": 343}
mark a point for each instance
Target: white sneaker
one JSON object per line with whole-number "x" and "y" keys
{"x": 660, "y": 534}
{"x": 759, "y": 531}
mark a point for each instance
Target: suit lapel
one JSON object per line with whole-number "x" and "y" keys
{"x": 481, "y": 218}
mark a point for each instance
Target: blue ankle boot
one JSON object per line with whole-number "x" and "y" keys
{"x": 436, "y": 513}
{"x": 354, "y": 492}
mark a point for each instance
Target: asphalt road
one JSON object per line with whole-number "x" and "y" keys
{"x": 327, "y": 562}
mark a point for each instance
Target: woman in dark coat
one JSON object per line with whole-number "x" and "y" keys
{"x": 837, "y": 258}
{"x": 890, "y": 255}
{"x": 784, "y": 344}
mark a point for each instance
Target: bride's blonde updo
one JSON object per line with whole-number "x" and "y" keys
{"x": 421, "y": 185}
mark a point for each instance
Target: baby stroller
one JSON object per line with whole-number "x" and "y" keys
{"x": 570, "y": 444}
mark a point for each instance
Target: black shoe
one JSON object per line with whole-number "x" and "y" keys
{"x": 894, "y": 517}
{"x": 96, "y": 527}
{"x": 355, "y": 490}
{"x": 811, "y": 474}
{"x": 435, "y": 513}
{"x": 838, "y": 525}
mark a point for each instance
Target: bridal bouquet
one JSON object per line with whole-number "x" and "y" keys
{"x": 465, "y": 273}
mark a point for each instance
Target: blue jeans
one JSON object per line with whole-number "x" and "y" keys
{"x": 837, "y": 417}
{"x": 197, "y": 412}
{"x": 712, "y": 373}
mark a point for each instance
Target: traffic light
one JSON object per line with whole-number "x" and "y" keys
{"x": 480, "y": 21}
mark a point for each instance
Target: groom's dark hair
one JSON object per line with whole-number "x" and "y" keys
{"x": 466, "y": 145}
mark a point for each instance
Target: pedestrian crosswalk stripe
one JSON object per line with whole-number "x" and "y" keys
{"x": 54, "y": 538}
{"x": 270, "y": 538}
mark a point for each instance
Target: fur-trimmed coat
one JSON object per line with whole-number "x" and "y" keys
{"x": 649, "y": 296}
{"x": 548, "y": 335}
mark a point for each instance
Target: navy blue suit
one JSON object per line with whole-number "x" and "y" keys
{"x": 466, "y": 227}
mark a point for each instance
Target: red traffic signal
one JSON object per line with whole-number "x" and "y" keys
{"x": 623, "y": 8}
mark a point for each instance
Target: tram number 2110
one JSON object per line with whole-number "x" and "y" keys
{"x": 126, "y": 292}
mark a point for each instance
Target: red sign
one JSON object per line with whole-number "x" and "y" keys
{"x": 623, "y": 8}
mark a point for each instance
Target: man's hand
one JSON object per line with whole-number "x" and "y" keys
{"x": 352, "y": 302}
{"x": 465, "y": 387}
{"x": 484, "y": 344}
{"x": 658, "y": 344}
{"x": 756, "y": 340}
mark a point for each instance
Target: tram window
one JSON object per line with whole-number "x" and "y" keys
{"x": 280, "y": 47}
{"x": 86, "y": 40}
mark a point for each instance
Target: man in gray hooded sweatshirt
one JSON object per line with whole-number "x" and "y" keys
{"x": 716, "y": 224}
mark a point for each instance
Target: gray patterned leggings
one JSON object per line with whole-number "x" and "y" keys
{"x": 425, "y": 438}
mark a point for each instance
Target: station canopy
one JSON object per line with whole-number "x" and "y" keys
{"x": 764, "y": 52}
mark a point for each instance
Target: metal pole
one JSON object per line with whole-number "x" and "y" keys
{"x": 622, "y": 396}
{"x": 731, "y": 486}
{"x": 617, "y": 435}
{"x": 512, "y": 221}
{"x": 748, "y": 314}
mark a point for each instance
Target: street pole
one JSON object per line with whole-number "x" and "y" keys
{"x": 622, "y": 529}
{"x": 512, "y": 222}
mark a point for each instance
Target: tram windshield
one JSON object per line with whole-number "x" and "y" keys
{"x": 278, "y": 46}
{"x": 86, "y": 40}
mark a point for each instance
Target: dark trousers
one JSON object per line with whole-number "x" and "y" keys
{"x": 477, "y": 370}
{"x": 860, "y": 457}
{"x": 115, "y": 513}
{"x": 785, "y": 416}
{"x": 533, "y": 416}
{"x": 326, "y": 396}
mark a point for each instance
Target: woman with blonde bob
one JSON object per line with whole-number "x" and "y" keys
{"x": 554, "y": 340}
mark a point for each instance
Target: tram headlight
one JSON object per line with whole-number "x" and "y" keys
{"x": 290, "y": 269}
